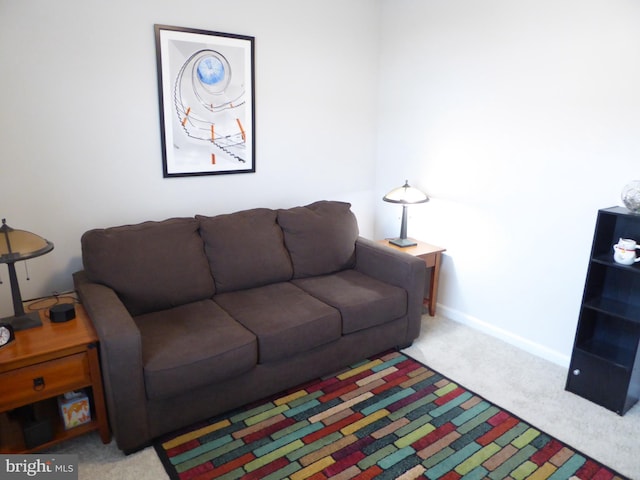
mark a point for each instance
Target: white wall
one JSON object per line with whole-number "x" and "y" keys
{"x": 79, "y": 127}
{"x": 520, "y": 119}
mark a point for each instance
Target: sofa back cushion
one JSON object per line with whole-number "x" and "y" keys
{"x": 245, "y": 249}
{"x": 152, "y": 265}
{"x": 320, "y": 237}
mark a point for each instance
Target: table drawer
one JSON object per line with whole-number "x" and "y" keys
{"x": 43, "y": 380}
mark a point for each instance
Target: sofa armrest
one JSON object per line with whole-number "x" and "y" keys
{"x": 121, "y": 361}
{"x": 399, "y": 269}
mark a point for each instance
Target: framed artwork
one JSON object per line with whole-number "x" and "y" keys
{"x": 207, "y": 110}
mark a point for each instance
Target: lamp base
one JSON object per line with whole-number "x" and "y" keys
{"x": 23, "y": 322}
{"x": 403, "y": 242}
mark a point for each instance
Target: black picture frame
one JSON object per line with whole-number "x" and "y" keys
{"x": 206, "y": 90}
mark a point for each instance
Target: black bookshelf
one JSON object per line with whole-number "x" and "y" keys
{"x": 605, "y": 364}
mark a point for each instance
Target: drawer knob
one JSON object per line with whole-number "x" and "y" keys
{"x": 576, "y": 371}
{"x": 38, "y": 384}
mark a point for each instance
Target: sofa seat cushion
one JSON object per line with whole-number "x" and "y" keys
{"x": 362, "y": 301}
{"x": 285, "y": 319}
{"x": 245, "y": 249}
{"x": 192, "y": 345}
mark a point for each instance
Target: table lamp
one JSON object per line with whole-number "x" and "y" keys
{"x": 405, "y": 195}
{"x": 15, "y": 246}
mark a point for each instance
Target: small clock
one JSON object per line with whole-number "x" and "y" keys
{"x": 6, "y": 334}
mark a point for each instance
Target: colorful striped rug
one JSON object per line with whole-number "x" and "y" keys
{"x": 387, "y": 417}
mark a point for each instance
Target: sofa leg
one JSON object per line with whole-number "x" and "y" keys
{"x": 130, "y": 451}
{"x": 402, "y": 347}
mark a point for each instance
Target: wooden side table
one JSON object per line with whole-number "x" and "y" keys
{"x": 432, "y": 256}
{"x": 42, "y": 363}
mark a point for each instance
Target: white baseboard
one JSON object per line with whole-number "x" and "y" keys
{"x": 515, "y": 340}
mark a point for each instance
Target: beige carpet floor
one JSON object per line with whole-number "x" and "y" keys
{"x": 528, "y": 386}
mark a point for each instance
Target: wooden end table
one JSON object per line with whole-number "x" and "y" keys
{"x": 42, "y": 363}
{"x": 432, "y": 256}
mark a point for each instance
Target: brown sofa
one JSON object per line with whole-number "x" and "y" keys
{"x": 200, "y": 315}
